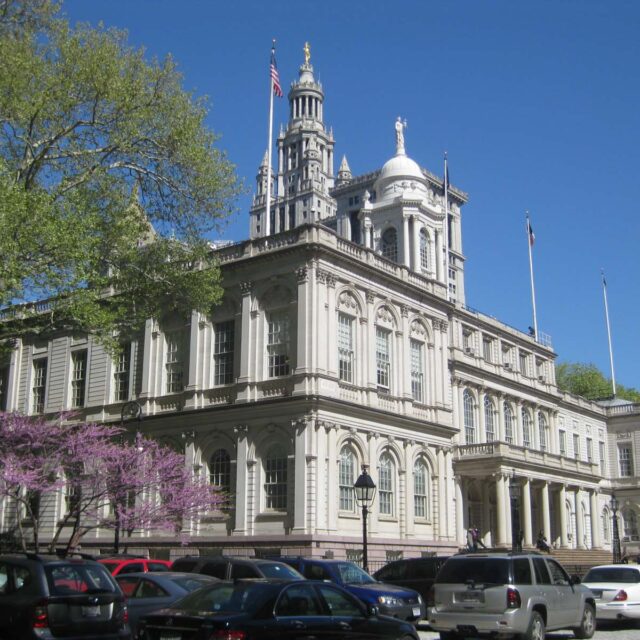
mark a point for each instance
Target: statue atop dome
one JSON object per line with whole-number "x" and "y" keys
{"x": 307, "y": 53}
{"x": 401, "y": 125}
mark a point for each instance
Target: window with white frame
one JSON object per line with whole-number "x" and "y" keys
{"x": 602, "y": 455}
{"x": 220, "y": 471}
{"x": 345, "y": 347}
{"x": 589, "y": 450}
{"x": 526, "y": 428}
{"x": 487, "y": 349}
{"x": 562, "y": 442}
{"x": 469, "y": 417}
{"x": 346, "y": 478}
{"x": 383, "y": 359}
{"x": 489, "y": 419}
{"x": 630, "y": 525}
{"x": 174, "y": 361}
{"x": 508, "y": 423}
{"x": 417, "y": 370}
{"x": 275, "y": 480}
{"x": 625, "y": 460}
{"x": 424, "y": 250}
{"x": 78, "y": 378}
{"x": 420, "y": 490}
{"x": 122, "y": 373}
{"x": 386, "y": 481}
{"x": 389, "y": 245}
{"x": 223, "y": 351}
{"x": 576, "y": 446}
{"x": 524, "y": 362}
{"x": 542, "y": 431}
{"x": 467, "y": 339}
{"x": 278, "y": 344}
{"x": 39, "y": 386}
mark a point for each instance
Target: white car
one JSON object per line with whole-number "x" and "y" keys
{"x": 616, "y": 589}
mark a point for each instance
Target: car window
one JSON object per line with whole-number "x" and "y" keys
{"x": 149, "y": 589}
{"x": 4, "y": 579}
{"x": 521, "y": 571}
{"x": 558, "y": 574}
{"x": 239, "y": 571}
{"x": 282, "y": 571}
{"x": 339, "y": 603}
{"x": 132, "y": 567}
{"x": 613, "y": 574}
{"x": 316, "y": 572}
{"x": 111, "y": 566}
{"x": 395, "y": 571}
{"x": 157, "y": 566}
{"x": 225, "y": 597}
{"x": 481, "y": 570}
{"x": 352, "y": 574}
{"x": 128, "y": 585}
{"x": 215, "y": 569}
{"x": 541, "y": 571}
{"x": 184, "y": 565}
{"x": 298, "y": 600}
{"x": 78, "y": 578}
{"x": 191, "y": 583}
{"x": 21, "y": 578}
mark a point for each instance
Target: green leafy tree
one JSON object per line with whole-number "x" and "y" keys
{"x": 588, "y": 381}
{"x": 110, "y": 181}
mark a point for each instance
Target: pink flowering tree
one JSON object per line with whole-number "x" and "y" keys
{"x": 110, "y": 481}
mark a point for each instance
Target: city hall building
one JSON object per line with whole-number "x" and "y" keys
{"x": 344, "y": 339}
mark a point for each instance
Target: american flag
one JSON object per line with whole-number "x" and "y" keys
{"x": 275, "y": 78}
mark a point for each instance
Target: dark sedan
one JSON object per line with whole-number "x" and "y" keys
{"x": 147, "y": 592}
{"x": 259, "y": 610}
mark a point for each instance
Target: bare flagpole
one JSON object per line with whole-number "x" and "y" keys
{"x": 267, "y": 214}
{"x": 446, "y": 224}
{"x": 606, "y": 313}
{"x": 530, "y": 240}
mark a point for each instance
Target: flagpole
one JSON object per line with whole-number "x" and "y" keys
{"x": 533, "y": 289}
{"x": 446, "y": 225}
{"x": 267, "y": 221}
{"x": 606, "y": 313}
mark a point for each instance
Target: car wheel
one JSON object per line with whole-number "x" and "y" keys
{"x": 536, "y": 628}
{"x": 588, "y": 623}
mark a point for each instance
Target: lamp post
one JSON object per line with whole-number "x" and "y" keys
{"x": 614, "y": 504}
{"x": 365, "y": 489}
{"x": 514, "y": 490}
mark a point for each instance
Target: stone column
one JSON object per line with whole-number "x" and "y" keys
{"x": 247, "y": 346}
{"x": 417, "y": 266}
{"x": 562, "y": 497}
{"x": 407, "y": 243}
{"x": 526, "y": 512}
{"x": 546, "y": 526}
{"x": 242, "y": 488}
{"x": 596, "y": 543}
{"x": 500, "y": 510}
{"x": 487, "y": 536}
{"x": 303, "y": 332}
{"x": 460, "y": 533}
{"x": 300, "y": 476}
{"x": 501, "y": 436}
{"x": 579, "y": 520}
{"x": 409, "y": 524}
{"x": 442, "y": 495}
{"x": 482, "y": 426}
{"x": 332, "y": 470}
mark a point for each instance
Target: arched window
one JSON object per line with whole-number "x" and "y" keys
{"x": 421, "y": 484}
{"x": 346, "y": 478}
{"x": 526, "y": 428}
{"x": 275, "y": 480}
{"x": 606, "y": 525}
{"x": 220, "y": 470}
{"x": 542, "y": 431}
{"x": 469, "y": 419}
{"x": 386, "y": 485}
{"x": 508, "y": 424}
{"x": 424, "y": 250}
{"x": 489, "y": 419}
{"x": 630, "y": 525}
{"x": 389, "y": 245}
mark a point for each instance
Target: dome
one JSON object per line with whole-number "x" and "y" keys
{"x": 400, "y": 166}
{"x": 401, "y": 173}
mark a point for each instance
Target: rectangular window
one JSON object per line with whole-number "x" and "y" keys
{"x": 78, "y": 378}
{"x": 602, "y": 456}
{"x": 276, "y": 483}
{"x": 576, "y": 446}
{"x": 383, "y": 359}
{"x": 487, "y": 349}
{"x": 589, "y": 450}
{"x": 39, "y": 386}
{"x": 174, "y": 362}
{"x": 417, "y": 370}
{"x": 467, "y": 340}
{"x": 278, "y": 344}
{"x": 345, "y": 347}
{"x": 121, "y": 374}
{"x": 562, "y": 437}
{"x": 524, "y": 370}
{"x": 223, "y": 348}
{"x": 625, "y": 457}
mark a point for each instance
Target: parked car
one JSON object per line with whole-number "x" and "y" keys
{"x": 616, "y": 589}
{"x": 500, "y": 594}
{"x": 147, "y": 592}
{"x": 413, "y": 573}
{"x": 230, "y": 568}
{"x": 390, "y": 599}
{"x": 263, "y": 610}
{"x": 49, "y": 597}
{"x": 119, "y": 565}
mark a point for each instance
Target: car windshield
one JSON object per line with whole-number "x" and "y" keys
{"x": 70, "y": 579}
{"x": 613, "y": 574}
{"x": 111, "y": 566}
{"x": 352, "y": 574}
{"x": 228, "y": 598}
{"x": 191, "y": 583}
{"x": 481, "y": 570}
{"x": 282, "y": 571}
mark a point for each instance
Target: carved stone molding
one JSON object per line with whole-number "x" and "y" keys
{"x": 241, "y": 430}
{"x": 302, "y": 274}
{"x": 246, "y": 287}
{"x": 331, "y": 280}
{"x": 321, "y": 276}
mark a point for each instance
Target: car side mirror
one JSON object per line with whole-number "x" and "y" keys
{"x": 372, "y": 610}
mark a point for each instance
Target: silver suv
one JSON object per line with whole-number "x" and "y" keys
{"x": 502, "y": 594}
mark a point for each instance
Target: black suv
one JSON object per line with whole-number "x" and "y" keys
{"x": 414, "y": 573}
{"x": 229, "y": 568}
{"x": 49, "y": 597}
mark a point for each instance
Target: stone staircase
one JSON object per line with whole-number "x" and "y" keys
{"x": 581, "y": 560}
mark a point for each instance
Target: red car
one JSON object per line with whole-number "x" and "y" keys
{"x": 119, "y": 565}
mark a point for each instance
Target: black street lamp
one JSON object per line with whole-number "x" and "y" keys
{"x": 514, "y": 493}
{"x": 365, "y": 489}
{"x": 617, "y": 555}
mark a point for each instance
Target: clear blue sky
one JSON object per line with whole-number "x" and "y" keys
{"x": 537, "y": 104}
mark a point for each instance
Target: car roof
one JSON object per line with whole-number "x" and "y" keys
{"x": 164, "y": 575}
{"x": 635, "y": 567}
{"x": 46, "y": 558}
